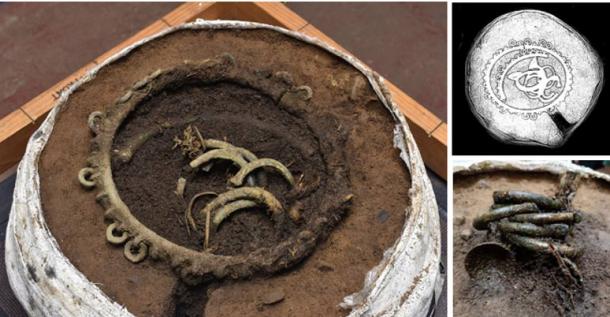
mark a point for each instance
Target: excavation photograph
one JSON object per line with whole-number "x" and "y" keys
{"x": 531, "y": 238}
{"x": 228, "y": 160}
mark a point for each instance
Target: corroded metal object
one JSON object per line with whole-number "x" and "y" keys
{"x": 235, "y": 199}
{"x": 532, "y": 79}
{"x": 540, "y": 246}
{"x": 481, "y": 221}
{"x": 556, "y": 230}
{"x": 518, "y": 197}
{"x": 400, "y": 284}
{"x": 139, "y": 241}
{"x": 238, "y": 179}
{"x": 525, "y": 226}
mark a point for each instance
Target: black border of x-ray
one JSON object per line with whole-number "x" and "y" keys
{"x": 469, "y": 137}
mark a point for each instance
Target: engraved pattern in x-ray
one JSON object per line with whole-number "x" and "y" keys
{"x": 531, "y": 79}
{"x": 527, "y": 78}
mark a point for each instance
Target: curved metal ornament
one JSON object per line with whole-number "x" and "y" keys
{"x": 140, "y": 241}
{"x": 410, "y": 268}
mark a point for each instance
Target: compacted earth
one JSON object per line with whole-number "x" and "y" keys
{"x": 342, "y": 104}
{"x": 529, "y": 284}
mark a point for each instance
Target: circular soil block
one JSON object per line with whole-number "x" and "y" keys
{"x": 530, "y": 285}
{"x": 351, "y": 155}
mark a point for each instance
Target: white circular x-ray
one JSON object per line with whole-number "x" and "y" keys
{"x": 532, "y": 79}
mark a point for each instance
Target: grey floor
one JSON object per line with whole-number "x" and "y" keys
{"x": 38, "y": 42}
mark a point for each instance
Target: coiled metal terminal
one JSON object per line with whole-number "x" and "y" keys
{"x": 86, "y": 177}
{"x": 192, "y": 265}
{"x": 111, "y": 236}
{"x": 135, "y": 252}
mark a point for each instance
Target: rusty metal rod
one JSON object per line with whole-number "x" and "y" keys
{"x": 557, "y": 230}
{"x": 518, "y": 197}
{"x": 481, "y": 221}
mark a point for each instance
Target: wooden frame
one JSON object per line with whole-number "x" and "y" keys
{"x": 15, "y": 128}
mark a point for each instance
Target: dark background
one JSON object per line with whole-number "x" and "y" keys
{"x": 469, "y": 136}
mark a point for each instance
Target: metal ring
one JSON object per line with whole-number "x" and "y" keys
{"x": 86, "y": 177}
{"x": 112, "y": 238}
{"x": 142, "y": 251}
{"x": 305, "y": 91}
{"x": 94, "y": 120}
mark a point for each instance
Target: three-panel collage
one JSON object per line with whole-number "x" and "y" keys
{"x": 307, "y": 159}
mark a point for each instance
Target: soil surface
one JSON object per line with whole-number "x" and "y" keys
{"x": 147, "y": 183}
{"x": 244, "y": 117}
{"x": 529, "y": 284}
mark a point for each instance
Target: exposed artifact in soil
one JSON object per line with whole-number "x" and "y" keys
{"x": 519, "y": 281}
{"x": 523, "y": 225}
{"x": 233, "y": 200}
{"x": 201, "y": 154}
{"x": 532, "y": 222}
{"x": 348, "y": 138}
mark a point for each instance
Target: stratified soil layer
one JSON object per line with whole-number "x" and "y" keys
{"x": 532, "y": 285}
{"x": 377, "y": 177}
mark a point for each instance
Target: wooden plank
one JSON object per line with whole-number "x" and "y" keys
{"x": 273, "y": 13}
{"x": 429, "y": 132}
{"x": 283, "y": 15}
{"x": 39, "y": 107}
{"x": 15, "y": 130}
{"x": 415, "y": 112}
{"x": 437, "y": 156}
{"x": 191, "y": 11}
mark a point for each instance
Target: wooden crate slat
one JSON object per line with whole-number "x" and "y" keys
{"x": 12, "y": 123}
{"x": 437, "y": 159}
{"x": 429, "y": 131}
{"x": 285, "y": 17}
{"x": 15, "y": 130}
{"x": 413, "y": 110}
{"x": 273, "y": 13}
{"x": 39, "y": 107}
{"x": 191, "y": 11}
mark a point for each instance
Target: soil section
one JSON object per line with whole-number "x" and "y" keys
{"x": 531, "y": 285}
{"x": 378, "y": 179}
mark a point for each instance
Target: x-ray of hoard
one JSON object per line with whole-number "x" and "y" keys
{"x": 532, "y": 79}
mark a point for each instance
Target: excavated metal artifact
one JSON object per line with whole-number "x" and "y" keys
{"x": 531, "y": 79}
{"x": 196, "y": 266}
{"x": 525, "y": 226}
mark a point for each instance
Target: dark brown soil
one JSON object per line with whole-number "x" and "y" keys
{"x": 377, "y": 177}
{"x": 531, "y": 285}
{"x": 147, "y": 183}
